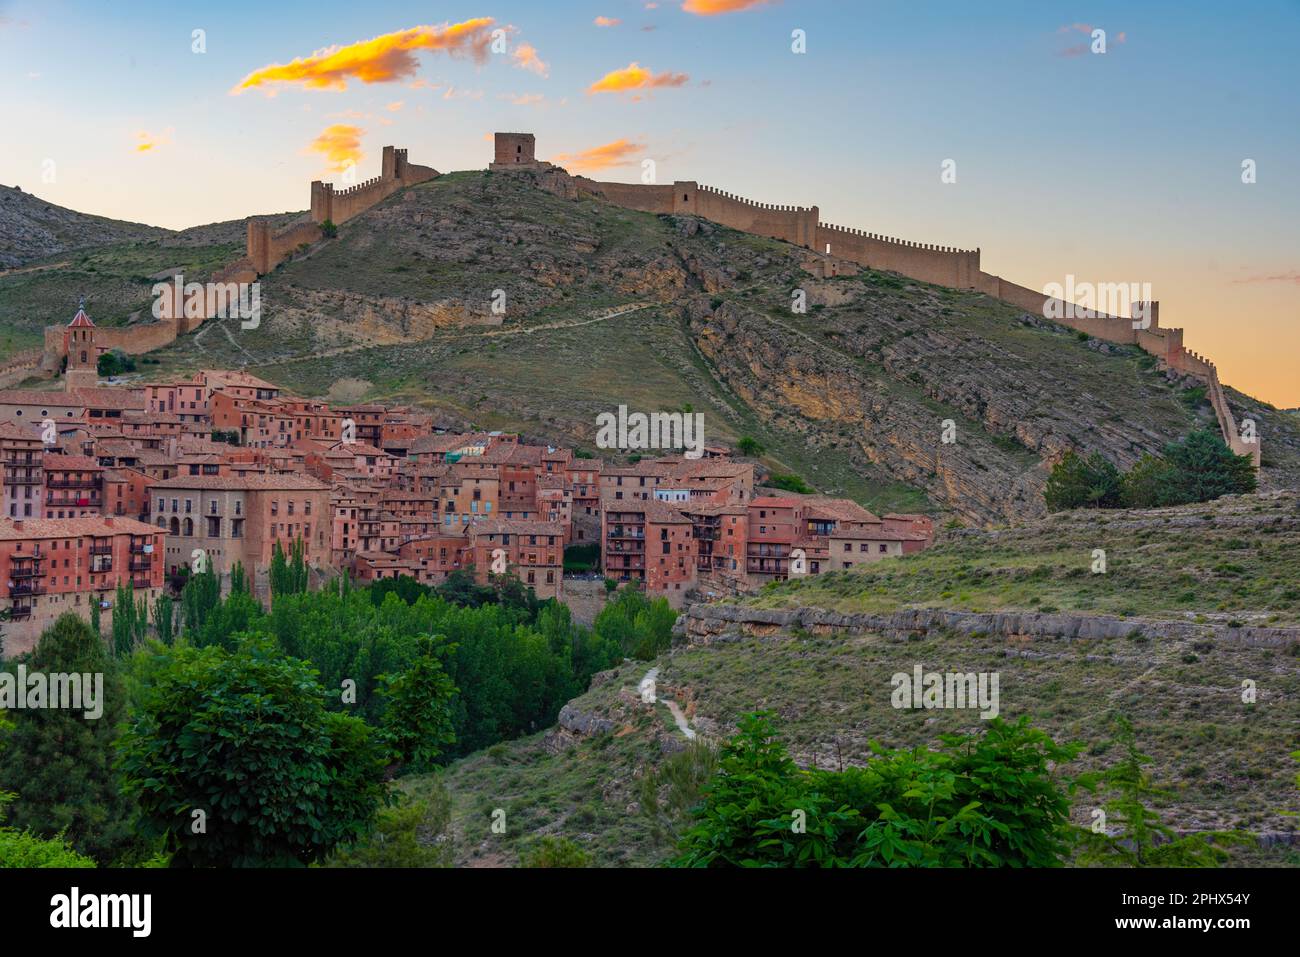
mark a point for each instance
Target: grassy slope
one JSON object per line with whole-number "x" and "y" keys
{"x": 1226, "y": 764}
{"x": 1233, "y": 560}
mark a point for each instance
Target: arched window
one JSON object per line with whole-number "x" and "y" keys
{"x": 176, "y": 525}
{"x": 162, "y": 522}
{"x": 189, "y": 527}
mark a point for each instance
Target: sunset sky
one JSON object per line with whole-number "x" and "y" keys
{"x": 1116, "y": 167}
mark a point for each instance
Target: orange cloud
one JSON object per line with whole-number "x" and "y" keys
{"x": 384, "y": 59}
{"x": 148, "y": 142}
{"x": 713, "y": 8}
{"x": 607, "y": 21}
{"x": 635, "y": 77}
{"x": 340, "y": 144}
{"x": 617, "y": 153}
{"x": 526, "y": 58}
{"x": 395, "y": 106}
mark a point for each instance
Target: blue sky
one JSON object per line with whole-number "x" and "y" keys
{"x": 1116, "y": 167}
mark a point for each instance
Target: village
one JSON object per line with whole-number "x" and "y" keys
{"x": 130, "y": 484}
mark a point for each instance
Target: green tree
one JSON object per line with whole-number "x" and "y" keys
{"x": 59, "y": 762}
{"x": 201, "y": 594}
{"x": 749, "y": 446}
{"x": 417, "y": 718}
{"x": 289, "y": 573}
{"x": 640, "y": 627}
{"x": 1149, "y": 483}
{"x": 1134, "y": 835}
{"x": 414, "y": 832}
{"x": 123, "y": 621}
{"x": 1083, "y": 482}
{"x": 234, "y": 761}
{"x": 1204, "y": 468}
{"x": 986, "y": 800}
{"x": 164, "y": 619}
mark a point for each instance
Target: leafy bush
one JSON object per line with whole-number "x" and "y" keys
{"x": 555, "y": 852}
{"x": 985, "y": 800}
{"x": 789, "y": 483}
{"x": 235, "y": 762}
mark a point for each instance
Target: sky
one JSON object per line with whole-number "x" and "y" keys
{"x": 1116, "y": 166}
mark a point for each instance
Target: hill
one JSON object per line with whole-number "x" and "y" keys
{"x": 596, "y": 776}
{"x": 852, "y": 395}
{"x": 31, "y": 228}
{"x": 605, "y": 306}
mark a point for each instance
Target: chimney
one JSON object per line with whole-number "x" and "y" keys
{"x": 18, "y": 524}
{"x": 108, "y": 520}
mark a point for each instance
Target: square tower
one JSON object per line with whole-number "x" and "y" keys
{"x": 515, "y": 149}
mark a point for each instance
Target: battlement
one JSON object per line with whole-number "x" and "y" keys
{"x": 328, "y": 202}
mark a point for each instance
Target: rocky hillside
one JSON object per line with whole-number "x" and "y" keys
{"x": 31, "y": 229}
{"x": 611, "y": 772}
{"x": 605, "y": 306}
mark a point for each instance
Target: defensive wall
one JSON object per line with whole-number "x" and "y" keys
{"x": 928, "y": 262}
{"x": 265, "y": 249}
{"x": 800, "y": 225}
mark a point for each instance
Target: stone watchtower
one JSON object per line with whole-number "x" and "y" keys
{"x": 83, "y": 360}
{"x": 515, "y": 150}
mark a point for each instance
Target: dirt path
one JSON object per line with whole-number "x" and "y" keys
{"x": 18, "y": 271}
{"x": 650, "y": 682}
{"x": 490, "y": 333}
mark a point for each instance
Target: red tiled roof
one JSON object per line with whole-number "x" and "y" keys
{"x": 273, "y": 481}
{"x": 71, "y": 527}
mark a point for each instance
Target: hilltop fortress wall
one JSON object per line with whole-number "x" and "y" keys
{"x": 799, "y": 225}
{"x": 942, "y": 265}
{"x": 265, "y": 249}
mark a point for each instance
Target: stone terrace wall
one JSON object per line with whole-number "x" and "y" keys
{"x": 704, "y": 624}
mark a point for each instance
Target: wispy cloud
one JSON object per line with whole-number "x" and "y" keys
{"x": 635, "y": 77}
{"x": 714, "y": 8}
{"x": 618, "y": 153}
{"x": 526, "y": 58}
{"x": 384, "y": 59}
{"x": 1288, "y": 277}
{"x": 147, "y": 142}
{"x": 607, "y": 21}
{"x": 340, "y": 144}
{"x": 523, "y": 99}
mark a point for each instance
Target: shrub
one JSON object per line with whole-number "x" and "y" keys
{"x": 555, "y": 852}
{"x": 984, "y": 800}
{"x": 1079, "y": 482}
